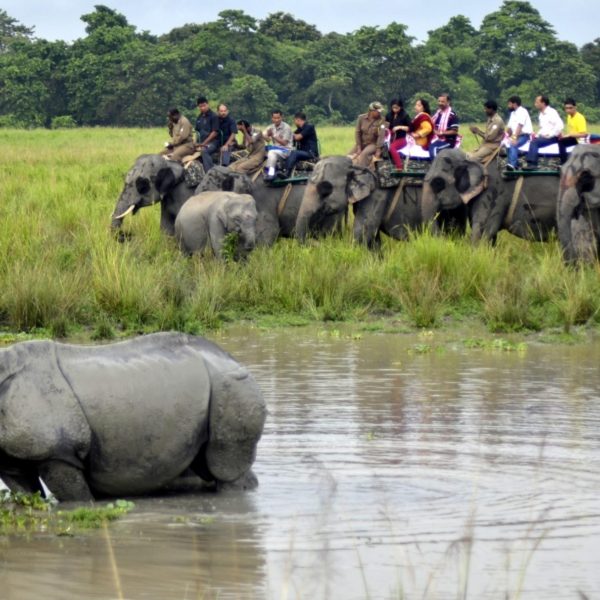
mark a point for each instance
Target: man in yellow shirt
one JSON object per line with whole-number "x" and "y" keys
{"x": 576, "y": 129}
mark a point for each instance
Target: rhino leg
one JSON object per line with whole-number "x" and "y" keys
{"x": 65, "y": 481}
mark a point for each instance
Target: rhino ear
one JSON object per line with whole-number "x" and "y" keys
{"x": 361, "y": 184}
{"x": 41, "y": 416}
{"x": 470, "y": 180}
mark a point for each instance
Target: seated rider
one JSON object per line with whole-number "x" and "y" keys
{"x": 398, "y": 123}
{"x": 305, "y": 142}
{"x": 207, "y": 130}
{"x": 519, "y": 129}
{"x": 421, "y": 127}
{"x": 280, "y": 134}
{"x": 227, "y": 133}
{"x": 445, "y": 127}
{"x": 255, "y": 143}
{"x": 182, "y": 136}
{"x": 493, "y": 134}
{"x": 369, "y": 135}
{"x": 551, "y": 126}
{"x": 576, "y": 129}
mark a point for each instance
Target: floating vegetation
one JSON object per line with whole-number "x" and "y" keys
{"x": 31, "y": 513}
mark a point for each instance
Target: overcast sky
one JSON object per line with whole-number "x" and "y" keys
{"x": 577, "y": 21}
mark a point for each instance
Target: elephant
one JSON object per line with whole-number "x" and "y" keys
{"x": 153, "y": 179}
{"x": 126, "y": 418}
{"x": 277, "y": 206}
{"x": 206, "y": 218}
{"x": 336, "y": 182}
{"x": 526, "y": 208}
{"x": 578, "y": 206}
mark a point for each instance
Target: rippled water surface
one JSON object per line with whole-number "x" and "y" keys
{"x": 385, "y": 472}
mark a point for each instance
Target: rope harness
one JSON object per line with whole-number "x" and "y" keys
{"x": 284, "y": 197}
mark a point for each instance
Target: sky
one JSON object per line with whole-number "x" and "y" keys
{"x": 575, "y": 21}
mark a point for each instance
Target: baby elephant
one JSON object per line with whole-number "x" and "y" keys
{"x": 207, "y": 218}
{"x": 125, "y": 418}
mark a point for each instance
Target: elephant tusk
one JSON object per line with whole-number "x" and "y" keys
{"x": 127, "y": 212}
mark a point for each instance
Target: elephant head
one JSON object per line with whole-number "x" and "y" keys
{"x": 578, "y": 206}
{"x": 451, "y": 181}
{"x": 333, "y": 185}
{"x": 147, "y": 182}
{"x": 221, "y": 178}
{"x": 238, "y": 216}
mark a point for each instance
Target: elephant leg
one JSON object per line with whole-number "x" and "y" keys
{"x": 65, "y": 481}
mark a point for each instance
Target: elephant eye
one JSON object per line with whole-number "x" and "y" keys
{"x": 142, "y": 185}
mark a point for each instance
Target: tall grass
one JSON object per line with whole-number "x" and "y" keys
{"x": 61, "y": 269}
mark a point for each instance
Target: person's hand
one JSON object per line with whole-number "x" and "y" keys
{"x": 474, "y": 129}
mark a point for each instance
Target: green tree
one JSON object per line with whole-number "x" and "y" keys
{"x": 511, "y": 45}
{"x": 250, "y": 97}
{"x": 11, "y": 30}
{"x": 285, "y": 28}
{"x": 590, "y": 54}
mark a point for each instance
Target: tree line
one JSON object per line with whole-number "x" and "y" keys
{"x": 119, "y": 76}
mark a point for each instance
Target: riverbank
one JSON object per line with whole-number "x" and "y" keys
{"x": 62, "y": 273}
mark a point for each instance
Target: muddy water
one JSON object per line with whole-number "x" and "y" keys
{"x": 386, "y": 471}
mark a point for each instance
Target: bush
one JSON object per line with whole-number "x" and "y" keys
{"x": 63, "y": 122}
{"x": 12, "y": 122}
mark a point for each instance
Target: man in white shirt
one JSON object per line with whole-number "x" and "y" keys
{"x": 280, "y": 136}
{"x": 519, "y": 129}
{"x": 551, "y": 126}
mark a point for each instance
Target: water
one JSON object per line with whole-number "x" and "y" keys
{"x": 385, "y": 472}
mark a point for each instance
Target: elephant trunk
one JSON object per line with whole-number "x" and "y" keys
{"x": 567, "y": 203}
{"x": 429, "y": 206}
{"x": 236, "y": 420}
{"x": 311, "y": 203}
{"x": 121, "y": 210}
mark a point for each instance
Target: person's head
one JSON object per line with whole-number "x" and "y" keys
{"x": 375, "y": 109}
{"x": 541, "y": 102}
{"x": 570, "y": 106}
{"x": 421, "y": 105}
{"x": 202, "y": 103}
{"x": 245, "y": 124}
{"x": 223, "y": 110}
{"x": 443, "y": 101}
{"x": 174, "y": 115}
{"x": 276, "y": 117}
{"x": 396, "y": 105}
{"x": 514, "y": 102}
{"x": 490, "y": 107}
{"x": 299, "y": 118}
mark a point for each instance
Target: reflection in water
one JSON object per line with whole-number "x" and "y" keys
{"x": 382, "y": 473}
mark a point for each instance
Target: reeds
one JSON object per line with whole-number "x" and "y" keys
{"x": 62, "y": 270}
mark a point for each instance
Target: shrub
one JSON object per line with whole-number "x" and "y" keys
{"x": 63, "y": 122}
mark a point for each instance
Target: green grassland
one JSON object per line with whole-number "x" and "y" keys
{"x": 62, "y": 273}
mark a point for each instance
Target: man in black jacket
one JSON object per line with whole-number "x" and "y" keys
{"x": 305, "y": 142}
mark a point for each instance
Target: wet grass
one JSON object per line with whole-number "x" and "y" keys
{"x": 62, "y": 273}
{"x": 30, "y": 513}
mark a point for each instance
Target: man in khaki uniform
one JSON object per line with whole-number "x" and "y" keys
{"x": 182, "y": 136}
{"x": 255, "y": 143}
{"x": 493, "y": 134}
{"x": 369, "y": 136}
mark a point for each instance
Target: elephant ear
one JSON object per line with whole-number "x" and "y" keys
{"x": 470, "y": 180}
{"x": 361, "y": 184}
{"x": 317, "y": 173}
{"x": 41, "y": 415}
{"x": 167, "y": 178}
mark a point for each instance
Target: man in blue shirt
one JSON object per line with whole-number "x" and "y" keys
{"x": 207, "y": 130}
{"x": 306, "y": 144}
